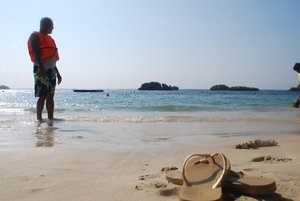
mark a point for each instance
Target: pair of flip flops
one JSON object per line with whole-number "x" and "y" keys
{"x": 204, "y": 175}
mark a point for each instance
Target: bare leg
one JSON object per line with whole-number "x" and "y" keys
{"x": 50, "y": 105}
{"x": 39, "y": 107}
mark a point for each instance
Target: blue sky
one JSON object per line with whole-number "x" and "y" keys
{"x": 191, "y": 44}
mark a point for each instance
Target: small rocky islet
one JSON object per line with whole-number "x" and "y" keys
{"x": 223, "y": 87}
{"x": 4, "y": 87}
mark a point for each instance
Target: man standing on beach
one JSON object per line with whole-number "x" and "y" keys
{"x": 297, "y": 69}
{"x": 43, "y": 53}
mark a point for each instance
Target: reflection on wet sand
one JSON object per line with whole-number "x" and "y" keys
{"x": 44, "y": 134}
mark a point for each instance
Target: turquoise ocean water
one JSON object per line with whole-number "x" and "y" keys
{"x": 116, "y": 105}
{"x": 128, "y": 119}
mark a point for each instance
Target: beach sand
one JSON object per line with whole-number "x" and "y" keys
{"x": 88, "y": 173}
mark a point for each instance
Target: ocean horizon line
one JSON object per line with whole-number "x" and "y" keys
{"x": 260, "y": 89}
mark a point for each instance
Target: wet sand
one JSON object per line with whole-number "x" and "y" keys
{"x": 123, "y": 162}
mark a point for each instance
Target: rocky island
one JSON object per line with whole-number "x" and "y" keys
{"x": 157, "y": 86}
{"x": 4, "y": 87}
{"x": 222, "y": 87}
{"x": 219, "y": 87}
{"x": 294, "y": 89}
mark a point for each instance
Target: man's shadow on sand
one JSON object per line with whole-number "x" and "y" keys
{"x": 231, "y": 196}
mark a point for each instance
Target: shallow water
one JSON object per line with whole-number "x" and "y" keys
{"x": 130, "y": 119}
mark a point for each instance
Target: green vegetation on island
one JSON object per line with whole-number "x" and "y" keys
{"x": 4, "y": 87}
{"x": 294, "y": 89}
{"x": 222, "y": 87}
{"x": 157, "y": 86}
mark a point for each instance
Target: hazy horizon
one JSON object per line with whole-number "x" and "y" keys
{"x": 190, "y": 44}
{"x": 63, "y": 88}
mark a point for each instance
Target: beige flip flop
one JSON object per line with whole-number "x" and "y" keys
{"x": 202, "y": 176}
{"x": 237, "y": 182}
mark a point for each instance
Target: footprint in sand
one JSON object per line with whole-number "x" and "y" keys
{"x": 167, "y": 169}
{"x": 270, "y": 159}
{"x": 25, "y": 178}
{"x": 156, "y": 181}
{"x": 148, "y": 176}
{"x": 139, "y": 187}
{"x": 34, "y": 190}
{"x": 248, "y": 170}
{"x": 155, "y": 184}
{"x": 164, "y": 188}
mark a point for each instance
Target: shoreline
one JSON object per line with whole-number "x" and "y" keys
{"x": 127, "y": 136}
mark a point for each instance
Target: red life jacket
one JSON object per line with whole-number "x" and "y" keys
{"x": 47, "y": 47}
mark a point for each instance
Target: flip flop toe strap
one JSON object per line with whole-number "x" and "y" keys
{"x": 205, "y": 161}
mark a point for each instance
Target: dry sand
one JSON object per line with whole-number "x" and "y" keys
{"x": 37, "y": 174}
